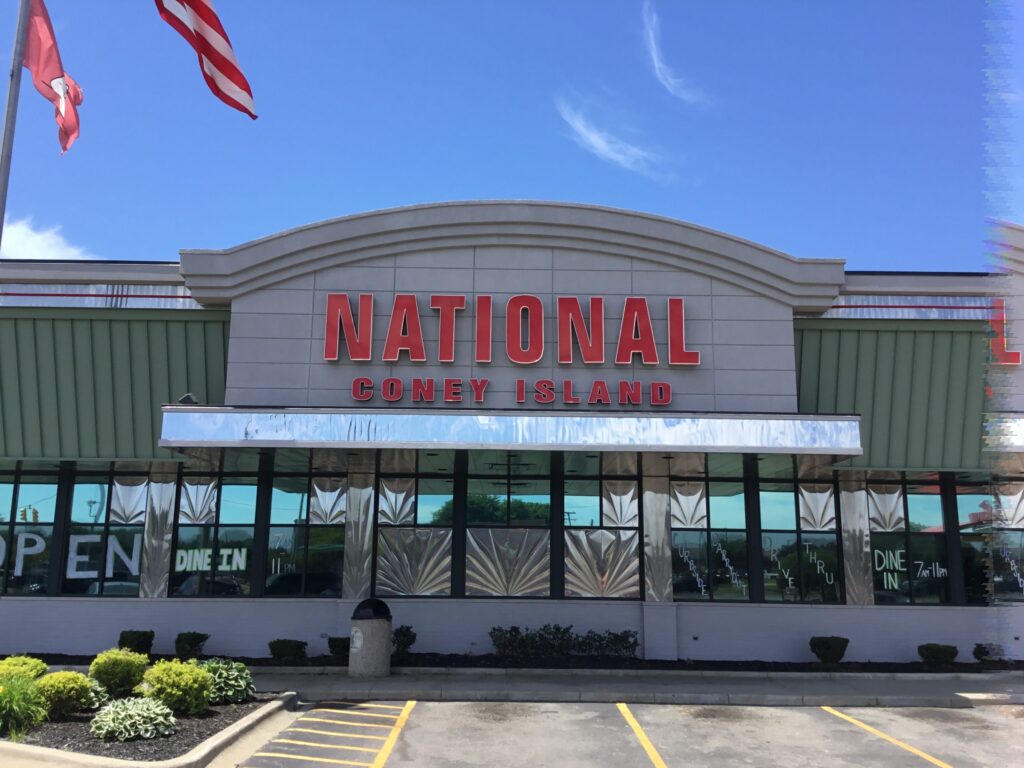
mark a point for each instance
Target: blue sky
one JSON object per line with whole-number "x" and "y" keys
{"x": 851, "y": 129}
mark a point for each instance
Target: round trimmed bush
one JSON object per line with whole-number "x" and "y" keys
{"x": 828, "y": 648}
{"x": 232, "y": 681}
{"x": 118, "y": 670}
{"x": 26, "y": 666}
{"x": 129, "y": 719}
{"x": 138, "y": 640}
{"x": 189, "y": 645}
{"x": 22, "y": 706}
{"x": 937, "y": 654}
{"x": 185, "y": 688}
{"x": 65, "y": 692}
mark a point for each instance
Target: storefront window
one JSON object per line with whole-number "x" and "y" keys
{"x": 601, "y": 518}
{"x": 1008, "y": 542}
{"x": 306, "y": 540}
{"x": 215, "y": 538}
{"x": 908, "y": 542}
{"x": 709, "y": 538}
{"x": 508, "y": 514}
{"x": 415, "y": 515}
{"x": 29, "y": 534}
{"x": 799, "y": 537}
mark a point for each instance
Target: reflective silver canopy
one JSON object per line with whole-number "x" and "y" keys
{"x": 189, "y": 426}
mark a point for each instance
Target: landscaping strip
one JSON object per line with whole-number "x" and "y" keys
{"x": 198, "y": 757}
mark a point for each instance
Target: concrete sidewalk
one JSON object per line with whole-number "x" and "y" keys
{"x": 706, "y": 688}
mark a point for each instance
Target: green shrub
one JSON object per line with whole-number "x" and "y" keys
{"x": 985, "y": 652}
{"x": 338, "y": 646}
{"x": 26, "y": 666}
{"x": 937, "y": 654}
{"x": 22, "y": 706}
{"x": 118, "y": 670}
{"x": 189, "y": 645}
{"x": 403, "y": 638}
{"x": 98, "y": 695}
{"x": 128, "y": 719}
{"x": 183, "y": 687}
{"x": 288, "y": 650}
{"x": 65, "y": 692}
{"x": 608, "y": 643}
{"x": 829, "y": 649}
{"x": 553, "y": 641}
{"x": 138, "y": 640}
{"x": 231, "y": 681}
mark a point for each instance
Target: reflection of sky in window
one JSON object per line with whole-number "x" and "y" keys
{"x": 6, "y": 500}
{"x": 238, "y": 503}
{"x": 924, "y": 508}
{"x": 89, "y": 502}
{"x": 726, "y": 505}
{"x": 36, "y": 500}
{"x": 287, "y": 505}
{"x": 582, "y": 502}
{"x": 778, "y": 507}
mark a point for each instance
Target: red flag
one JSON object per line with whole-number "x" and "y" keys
{"x": 42, "y": 59}
{"x": 198, "y": 23}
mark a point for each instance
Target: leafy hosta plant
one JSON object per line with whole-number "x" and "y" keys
{"x": 26, "y": 666}
{"x": 183, "y": 687}
{"x": 98, "y": 695}
{"x": 22, "y": 706}
{"x": 129, "y": 719}
{"x": 65, "y": 692}
{"x": 232, "y": 681}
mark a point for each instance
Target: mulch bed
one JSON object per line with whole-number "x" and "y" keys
{"x": 72, "y": 735}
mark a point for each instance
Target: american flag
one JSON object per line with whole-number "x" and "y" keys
{"x": 197, "y": 22}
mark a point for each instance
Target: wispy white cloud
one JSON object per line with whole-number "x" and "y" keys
{"x": 607, "y": 146}
{"x": 677, "y": 86}
{"x": 22, "y": 240}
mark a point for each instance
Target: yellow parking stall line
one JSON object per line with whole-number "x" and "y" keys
{"x": 652, "y": 753}
{"x": 887, "y": 737}
{"x": 325, "y": 746}
{"x": 357, "y": 712}
{"x": 364, "y": 704}
{"x": 385, "y": 751}
{"x": 331, "y": 760}
{"x": 337, "y": 733}
{"x": 341, "y": 722}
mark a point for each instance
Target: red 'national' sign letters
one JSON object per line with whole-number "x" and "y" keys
{"x": 524, "y": 330}
{"x": 578, "y": 331}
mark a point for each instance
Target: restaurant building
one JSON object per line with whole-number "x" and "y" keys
{"x": 505, "y": 413}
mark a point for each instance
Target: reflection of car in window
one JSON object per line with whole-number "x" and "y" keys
{"x": 124, "y": 588}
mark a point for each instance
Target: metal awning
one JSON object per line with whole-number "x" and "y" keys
{"x": 213, "y": 426}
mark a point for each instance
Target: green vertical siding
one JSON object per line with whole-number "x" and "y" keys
{"x": 88, "y": 384}
{"x": 918, "y": 387}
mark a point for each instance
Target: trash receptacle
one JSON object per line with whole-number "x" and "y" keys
{"x": 369, "y": 650}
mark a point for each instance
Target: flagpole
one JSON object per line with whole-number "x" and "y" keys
{"x": 11, "y": 113}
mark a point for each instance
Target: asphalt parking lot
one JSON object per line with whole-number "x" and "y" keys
{"x": 399, "y": 733}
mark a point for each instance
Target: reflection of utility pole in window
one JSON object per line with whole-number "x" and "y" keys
{"x": 91, "y": 503}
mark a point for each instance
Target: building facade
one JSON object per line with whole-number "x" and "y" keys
{"x": 498, "y": 413}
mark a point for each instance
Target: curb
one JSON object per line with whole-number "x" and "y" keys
{"x": 955, "y": 701}
{"x": 198, "y": 757}
{"x": 641, "y": 673}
